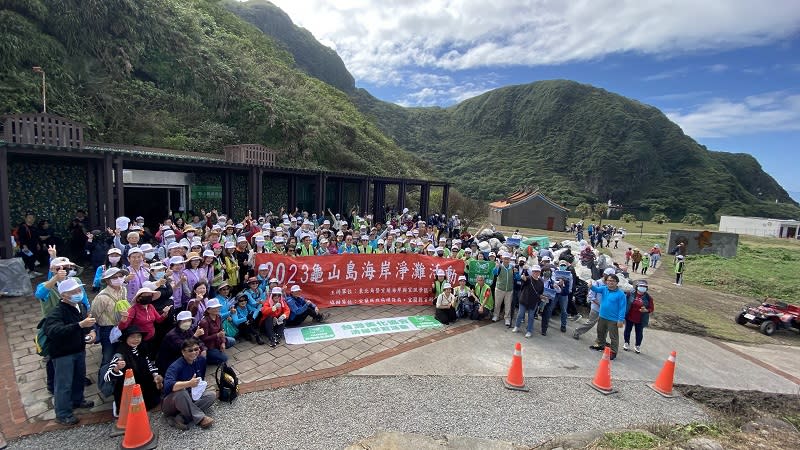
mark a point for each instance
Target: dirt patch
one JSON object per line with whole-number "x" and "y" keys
{"x": 671, "y": 322}
{"x": 741, "y": 406}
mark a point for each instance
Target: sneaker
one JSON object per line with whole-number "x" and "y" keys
{"x": 508, "y": 323}
{"x": 176, "y": 422}
{"x": 515, "y": 330}
{"x": 68, "y": 421}
{"x": 544, "y": 332}
{"x": 259, "y": 340}
{"x": 637, "y": 349}
{"x": 563, "y": 329}
{"x": 528, "y": 334}
{"x": 625, "y": 346}
{"x": 494, "y": 319}
{"x": 84, "y": 405}
{"x": 596, "y": 347}
{"x": 206, "y": 422}
{"x": 577, "y": 317}
{"x": 613, "y": 355}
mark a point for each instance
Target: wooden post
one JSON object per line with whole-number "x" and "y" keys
{"x": 424, "y": 200}
{"x": 445, "y": 199}
{"x": 320, "y": 194}
{"x": 291, "y": 199}
{"x": 5, "y": 210}
{"x": 227, "y": 204}
{"x": 108, "y": 190}
{"x": 401, "y": 196}
{"x": 119, "y": 187}
{"x": 91, "y": 193}
{"x": 339, "y": 196}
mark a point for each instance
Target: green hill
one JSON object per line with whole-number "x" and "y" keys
{"x": 187, "y": 75}
{"x": 577, "y": 142}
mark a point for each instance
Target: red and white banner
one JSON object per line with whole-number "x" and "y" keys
{"x": 353, "y": 279}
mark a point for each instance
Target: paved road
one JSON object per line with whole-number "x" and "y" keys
{"x": 487, "y": 352}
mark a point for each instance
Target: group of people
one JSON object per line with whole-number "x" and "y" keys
{"x": 173, "y": 299}
{"x": 598, "y": 235}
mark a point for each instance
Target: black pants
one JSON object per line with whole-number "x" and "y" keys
{"x": 271, "y": 329}
{"x": 446, "y": 316}
{"x": 248, "y": 330}
{"x": 300, "y": 318}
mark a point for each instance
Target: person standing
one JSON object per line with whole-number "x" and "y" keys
{"x": 645, "y": 262}
{"x": 505, "y": 275}
{"x": 69, "y": 328}
{"x": 638, "y": 317}
{"x": 612, "y": 312}
{"x": 529, "y": 298}
{"x": 636, "y": 259}
{"x": 594, "y": 312}
{"x": 679, "y": 266}
{"x": 104, "y": 309}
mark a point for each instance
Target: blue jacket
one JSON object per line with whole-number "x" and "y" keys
{"x": 239, "y": 315}
{"x": 297, "y": 305}
{"x": 253, "y": 300}
{"x": 614, "y": 304}
{"x": 180, "y": 370}
{"x": 226, "y": 303}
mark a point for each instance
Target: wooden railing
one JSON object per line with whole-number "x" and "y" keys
{"x": 250, "y": 154}
{"x": 42, "y": 129}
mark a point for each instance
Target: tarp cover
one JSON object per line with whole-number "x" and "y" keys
{"x": 14, "y": 280}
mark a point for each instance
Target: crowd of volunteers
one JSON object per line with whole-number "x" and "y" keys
{"x": 171, "y": 299}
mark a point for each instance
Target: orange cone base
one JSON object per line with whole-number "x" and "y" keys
{"x": 603, "y": 391}
{"x": 522, "y": 388}
{"x": 117, "y": 431}
{"x": 663, "y": 394}
{"x": 149, "y": 445}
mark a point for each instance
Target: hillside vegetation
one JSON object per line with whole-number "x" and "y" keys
{"x": 184, "y": 74}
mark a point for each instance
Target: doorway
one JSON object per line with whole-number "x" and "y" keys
{"x": 551, "y": 221}
{"x": 152, "y": 203}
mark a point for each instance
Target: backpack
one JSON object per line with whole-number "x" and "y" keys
{"x": 227, "y": 383}
{"x": 40, "y": 340}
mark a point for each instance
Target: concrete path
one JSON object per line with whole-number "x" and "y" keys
{"x": 487, "y": 352}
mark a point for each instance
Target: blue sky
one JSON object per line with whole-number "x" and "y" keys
{"x": 728, "y": 72}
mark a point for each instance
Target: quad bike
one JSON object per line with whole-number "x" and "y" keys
{"x": 771, "y": 316}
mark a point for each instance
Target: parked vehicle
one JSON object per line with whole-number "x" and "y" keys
{"x": 771, "y": 317}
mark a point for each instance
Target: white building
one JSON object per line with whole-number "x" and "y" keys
{"x": 759, "y": 226}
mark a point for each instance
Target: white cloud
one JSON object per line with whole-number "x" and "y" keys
{"x": 679, "y": 96}
{"x": 445, "y": 94}
{"x": 667, "y": 74}
{"x": 767, "y": 112}
{"x": 377, "y": 39}
{"x": 717, "y": 68}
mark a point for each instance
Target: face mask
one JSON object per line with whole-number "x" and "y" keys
{"x": 149, "y": 255}
{"x": 169, "y": 240}
{"x": 117, "y": 281}
{"x": 72, "y": 273}
{"x": 217, "y": 251}
{"x": 114, "y": 259}
{"x": 159, "y": 275}
{"x": 76, "y": 298}
{"x": 189, "y": 235}
{"x": 185, "y": 325}
{"x": 145, "y": 300}
{"x": 546, "y": 274}
{"x": 562, "y": 267}
{"x": 641, "y": 289}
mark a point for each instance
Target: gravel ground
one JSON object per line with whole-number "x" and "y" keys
{"x": 333, "y": 413}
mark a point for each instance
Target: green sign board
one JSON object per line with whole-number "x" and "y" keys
{"x": 206, "y": 192}
{"x": 358, "y": 328}
{"x": 476, "y": 268}
{"x": 424, "y": 322}
{"x": 317, "y": 333}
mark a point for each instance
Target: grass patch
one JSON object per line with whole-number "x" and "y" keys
{"x": 793, "y": 419}
{"x": 755, "y": 271}
{"x": 629, "y": 439}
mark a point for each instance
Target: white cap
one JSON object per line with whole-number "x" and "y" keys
{"x": 536, "y": 268}
{"x": 439, "y": 249}
{"x": 462, "y": 278}
{"x": 241, "y": 239}
{"x": 492, "y": 254}
{"x": 184, "y": 315}
{"x": 522, "y": 258}
{"x": 609, "y": 271}
{"x": 440, "y": 272}
{"x": 213, "y": 303}
{"x": 60, "y": 261}
{"x": 208, "y": 253}
{"x": 176, "y": 260}
{"x": 276, "y": 291}
{"x": 447, "y": 286}
{"x": 133, "y": 250}
{"x": 430, "y": 248}
{"x": 326, "y": 222}
{"x": 273, "y": 280}
{"x": 70, "y": 284}
{"x": 173, "y": 245}
{"x": 229, "y": 244}
{"x": 295, "y": 288}
{"x": 405, "y": 210}
{"x": 262, "y": 267}
{"x": 146, "y": 247}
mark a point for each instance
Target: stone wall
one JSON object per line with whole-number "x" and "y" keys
{"x": 704, "y": 242}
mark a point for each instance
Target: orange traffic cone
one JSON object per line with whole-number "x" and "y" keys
{"x": 602, "y": 378}
{"x": 122, "y": 409}
{"x": 663, "y": 384}
{"x": 138, "y": 435}
{"x": 515, "y": 380}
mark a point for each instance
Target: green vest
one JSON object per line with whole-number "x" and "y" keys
{"x": 486, "y": 299}
{"x": 53, "y": 299}
{"x": 505, "y": 278}
{"x": 364, "y": 249}
{"x": 306, "y": 251}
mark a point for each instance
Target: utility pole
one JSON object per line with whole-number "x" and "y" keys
{"x": 37, "y": 69}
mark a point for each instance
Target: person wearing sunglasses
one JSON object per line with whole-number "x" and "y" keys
{"x": 185, "y": 399}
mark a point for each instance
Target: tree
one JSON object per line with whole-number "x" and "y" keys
{"x": 693, "y": 219}
{"x": 660, "y": 218}
{"x": 469, "y": 210}
{"x": 583, "y": 210}
{"x": 600, "y": 210}
{"x": 627, "y": 218}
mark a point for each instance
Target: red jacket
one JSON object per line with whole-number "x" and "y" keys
{"x": 143, "y": 316}
{"x": 634, "y": 311}
{"x": 211, "y": 328}
{"x": 266, "y": 310}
